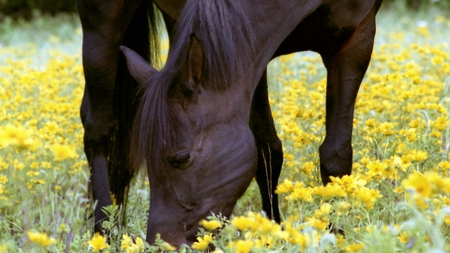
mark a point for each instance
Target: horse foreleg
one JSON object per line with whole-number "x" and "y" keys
{"x": 346, "y": 70}
{"x": 98, "y": 124}
{"x": 270, "y": 153}
{"x": 104, "y": 24}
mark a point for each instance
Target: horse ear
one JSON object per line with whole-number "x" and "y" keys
{"x": 138, "y": 67}
{"x": 191, "y": 72}
{"x": 195, "y": 59}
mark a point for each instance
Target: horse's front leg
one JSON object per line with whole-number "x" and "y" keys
{"x": 346, "y": 70}
{"x": 270, "y": 152}
{"x": 104, "y": 24}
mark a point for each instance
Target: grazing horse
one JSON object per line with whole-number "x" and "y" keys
{"x": 202, "y": 125}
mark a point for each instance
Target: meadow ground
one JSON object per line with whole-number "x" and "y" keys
{"x": 396, "y": 200}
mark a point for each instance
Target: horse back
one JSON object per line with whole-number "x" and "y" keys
{"x": 327, "y": 28}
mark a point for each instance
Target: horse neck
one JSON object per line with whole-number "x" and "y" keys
{"x": 272, "y": 22}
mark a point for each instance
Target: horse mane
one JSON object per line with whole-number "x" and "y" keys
{"x": 220, "y": 25}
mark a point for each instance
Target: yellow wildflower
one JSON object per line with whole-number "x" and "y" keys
{"x": 141, "y": 245}
{"x": 441, "y": 123}
{"x": 324, "y": 210}
{"x": 285, "y": 187}
{"x": 202, "y": 243}
{"x": 418, "y": 156}
{"x": 126, "y": 242}
{"x": 241, "y": 246}
{"x": 376, "y": 169}
{"x": 368, "y": 196}
{"x": 319, "y": 224}
{"x": 15, "y": 136}
{"x": 98, "y": 242}
{"x": 348, "y": 183}
{"x": 62, "y": 152}
{"x": 329, "y": 191}
{"x": 419, "y": 183}
{"x": 354, "y": 247}
{"x": 40, "y": 238}
{"x": 444, "y": 165}
{"x": 386, "y": 128}
{"x": 210, "y": 225}
{"x": 3, "y": 179}
{"x": 447, "y": 221}
{"x": 301, "y": 193}
{"x": 403, "y": 237}
{"x": 3, "y": 248}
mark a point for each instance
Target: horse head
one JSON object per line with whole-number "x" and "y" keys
{"x": 196, "y": 141}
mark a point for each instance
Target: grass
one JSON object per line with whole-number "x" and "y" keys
{"x": 395, "y": 200}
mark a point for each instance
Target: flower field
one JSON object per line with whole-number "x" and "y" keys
{"x": 396, "y": 200}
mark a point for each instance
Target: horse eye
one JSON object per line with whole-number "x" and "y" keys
{"x": 178, "y": 160}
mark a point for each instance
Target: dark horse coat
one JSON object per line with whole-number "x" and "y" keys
{"x": 203, "y": 124}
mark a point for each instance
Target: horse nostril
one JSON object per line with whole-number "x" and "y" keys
{"x": 178, "y": 160}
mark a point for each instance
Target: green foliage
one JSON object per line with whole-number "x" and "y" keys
{"x": 28, "y": 8}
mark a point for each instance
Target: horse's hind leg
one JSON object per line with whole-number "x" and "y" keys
{"x": 346, "y": 70}
{"x": 103, "y": 24}
{"x": 270, "y": 153}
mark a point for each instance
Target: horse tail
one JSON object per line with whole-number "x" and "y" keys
{"x": 142, "y": 36}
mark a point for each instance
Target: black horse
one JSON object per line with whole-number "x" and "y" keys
{"x": 203, "y": 123}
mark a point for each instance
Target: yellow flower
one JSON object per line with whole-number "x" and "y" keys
{"x": 348, "y": 183}
{"x": 419, "y": 183}
{"x": 241, "y": 246}
{"x": 368, "y": 196}
{"x": 242, "y": 223}
{"x": 411, "y": 134}
{"x": 385, "y": 128}
{"x": 164, "y": 246}
{"x": 202, "y": 243}
{"x": 301, "y": 193}
{"x": 40, "y": 238}
{"x": 62, "y": 152}
{"x": 354, "y": 247}
{"x": 441, "y": 123}
{"x": 3, "y": 248}
{"x": 308, "y": 167}
{"x": 285, "y": 187}
{"x": 98, "y": 242}
{"x": 377, "y": 168}
{"x": 329, "y": 191}
{"x": 320, "y": 224}
{"x": 444, "y": 165}
{"x": 141, "y": 245}
{"x": 126, "y": 242}
{"x": 397, "y": 163}
{"x": 436, "y": 60}
{"x": 210, "y": 225}
{"x": 15, "y": 136}
{"x": 294, "y": 236}
{"x": 447, "y": 221}
{"x": 418, "y": 156}
{"x": 324, "y": 210}
{"x": 3, "y": 179}
{"x": 403, "y": 237}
